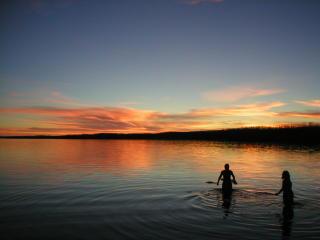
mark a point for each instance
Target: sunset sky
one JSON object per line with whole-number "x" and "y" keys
{"x": 80, "y": 66}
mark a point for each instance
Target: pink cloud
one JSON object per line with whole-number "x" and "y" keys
{"x": 90, "y": 119}
{"x": 312, "y": 103}
{"x": 60, "y": 98}
{"x": 256, "y": 109}
{"x": 17, "y": 94}
{"x": 62, "y": 120}
{"x": 129, "y": 103}
{"x": 59, "y": 95}
{"x": 59, "y": 101}
{"x": 43, "y": 95}
{"x": 265, "y": 92}
{"x": 119, "y": 119}
{"x": 300, "y": 114}
{"x": 233, "y": 94}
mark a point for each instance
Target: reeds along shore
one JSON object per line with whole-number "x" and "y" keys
{"x": 298, "y": 135}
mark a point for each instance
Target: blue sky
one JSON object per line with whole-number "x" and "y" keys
{"x": 164, "y": 56}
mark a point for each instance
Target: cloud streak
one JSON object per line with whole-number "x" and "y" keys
{"x": 233, "y": 94}
{"x": 312, "y": 103}
{"x": 300, "y": 114}
{"x": 130, "y": 120}
{"x": 77, "y": 120}
{"x": 43, "y": 95}
{"x": 60, "y": 101}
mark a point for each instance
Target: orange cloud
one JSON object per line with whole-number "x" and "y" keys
{"x": 256, "y": 109}
{"x": 89, "y": 119}
{"x": 61, "y": 120}
{"x": 300, "y": 114}
{"x": 233, "y": 94}
{"x": 313, "y": 103}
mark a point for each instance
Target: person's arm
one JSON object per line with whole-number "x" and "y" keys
{"x": 233, "y": 178}
{"x": 219, "y": 178}
{"x": 280, "y": 190}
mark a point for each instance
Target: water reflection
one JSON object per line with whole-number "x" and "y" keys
{"x": 226, "y": 199}
{"x": 127, "y": 188}
{"x": 287, "y": 219}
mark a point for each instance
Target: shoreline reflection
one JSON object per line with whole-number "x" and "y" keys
{"x": 89, "y": 186}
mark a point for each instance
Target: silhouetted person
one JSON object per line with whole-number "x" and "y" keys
{"x": 227, "y": 182}
{"x": 287, "y": 216}
{"x": 226, "y": 201}
{"x": 286, "y": 189}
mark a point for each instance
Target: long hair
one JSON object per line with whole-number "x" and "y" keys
{"x": 286, "y": 175}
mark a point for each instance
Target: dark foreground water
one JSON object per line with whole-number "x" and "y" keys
{"x": 136, "y": 189}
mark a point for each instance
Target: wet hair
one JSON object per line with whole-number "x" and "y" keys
{"x": 285, "y": 175}
{"x": 226, "y": 166}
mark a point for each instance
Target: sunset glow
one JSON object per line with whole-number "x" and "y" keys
{"x": 142, "y": 66}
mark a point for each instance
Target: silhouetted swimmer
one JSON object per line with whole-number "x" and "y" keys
{"x": 226, "y": 201}
{"x": 286, "y": 189}
{"x": 227, "y": 182}
{"x": 287, "y": 217}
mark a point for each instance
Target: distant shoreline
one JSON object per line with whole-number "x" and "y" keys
{"x": 296, "y": 135}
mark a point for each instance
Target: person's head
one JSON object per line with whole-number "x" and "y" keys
{"x": 285, "y": 175}
{"x": 226, "y": 166}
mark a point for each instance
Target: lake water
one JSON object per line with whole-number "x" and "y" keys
{"x": 143, "y": 189}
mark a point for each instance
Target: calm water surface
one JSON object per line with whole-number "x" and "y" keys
{"x": 137, "y": 189}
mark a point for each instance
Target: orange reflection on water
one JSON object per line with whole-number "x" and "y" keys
{"x": 253, "y": 164}
{"x": 30, "y": 157}
{"x": 257, "y": 163}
